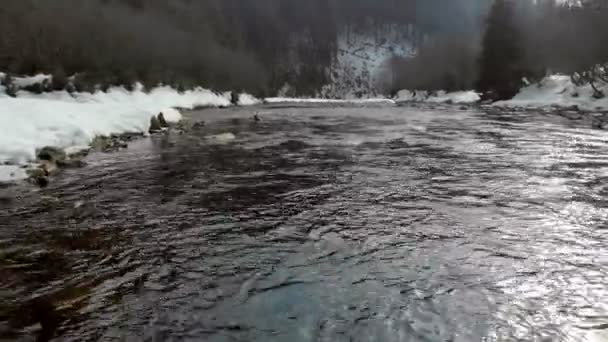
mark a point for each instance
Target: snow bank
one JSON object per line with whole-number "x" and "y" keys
{"x": 248, "y": 100}
{"x": 412, "y": 96}
{"x": 459, "y": 97}
{"x": 30, "y": 121}
{"x": 314, "y": 100}
{"x": 557, "y": 90}
{"x": 27, "y": 81}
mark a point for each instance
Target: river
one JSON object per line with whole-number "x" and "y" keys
{"x": 319, "y": 223}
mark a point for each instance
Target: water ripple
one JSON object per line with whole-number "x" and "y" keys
{"x": 367, "y": 223}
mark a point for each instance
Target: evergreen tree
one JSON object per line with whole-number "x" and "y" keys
{"x": 501, "y": 61}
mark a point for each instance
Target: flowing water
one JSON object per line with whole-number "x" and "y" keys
{"x": 349, "y": 223}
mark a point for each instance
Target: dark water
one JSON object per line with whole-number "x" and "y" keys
{"x": 320, "y": 224}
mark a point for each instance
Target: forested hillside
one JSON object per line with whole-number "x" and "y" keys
{"x": 223, "y": 44}
{"x": 260, "y": 46}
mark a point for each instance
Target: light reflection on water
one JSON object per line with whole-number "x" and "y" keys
{"x": 322, "y": 224}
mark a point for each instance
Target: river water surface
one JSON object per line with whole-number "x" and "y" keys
{"x": 350, "y": 223}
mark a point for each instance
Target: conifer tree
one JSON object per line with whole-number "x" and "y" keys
{"x": 501, "y": 61}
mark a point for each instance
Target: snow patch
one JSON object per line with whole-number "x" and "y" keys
{"x": 222, "y": 138}
{"x": 27, "y": 81}
{"x": 30, "y": 122}
{"x": 458, "y": 97}
{"x": 11, "y": 173}
{"x": 171, "y": 115}
{"x": 558, "y": 90}
{"x": 412, "y": 96}
{"x": 248, "y": 100}
{"x": 315, "y": 100}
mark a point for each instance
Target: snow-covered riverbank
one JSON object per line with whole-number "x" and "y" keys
{"x": 553, "y": 91}
{"x": 558, "y": 91}
{"x": 71, "y": 121}
{"x": 458, "y": 97}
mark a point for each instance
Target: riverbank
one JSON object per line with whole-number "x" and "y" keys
{"x": 77, "y": 122}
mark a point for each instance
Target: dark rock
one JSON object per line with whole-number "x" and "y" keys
{"x": 42, "y": 182}
{"x": 48, "y": 167}
{"x": 573, "y": 107}
{"x": 80, "y": 154}
{"x": 198, "y": 125}
{"x": 162, "y": 121}
{"x": 597, "y": 124}
{"x": 155, "y": 126}
{"x": 101, "y": 143}
{"x": 11, "y": 90}
{"x": 234, "y": 98}
{"x": 71, "y": 88}
{"x": 109, "y": 144}
{"x": 60, "y": 79}
{"x": 37, "y": 172}
{"x": 464, "y": 107}
{"x": 294, "y": 145}
{"x": 598, "y": 95}
{"x": 36, "y": 88}
{"x": 51, "y": 154}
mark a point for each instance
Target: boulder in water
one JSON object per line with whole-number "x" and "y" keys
{"x": 234, "y": 98}
{"x": 52, "y": 154}
{"x": 198, "y": 125}
{"x": 155, "y": 126}
{"x": 39, "y": 176}
{"x": 162, "y": 121}
{"x": 37, "y": 172}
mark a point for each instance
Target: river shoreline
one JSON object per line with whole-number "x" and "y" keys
{"x": 108, "y": 144}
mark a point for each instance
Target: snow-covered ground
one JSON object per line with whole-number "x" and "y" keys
{"x": 459, "y": 97}
{"x": 32, "y": 121}
{"x": 71, "y": 121}
{"x": 337, "y": 101}
{"x": 558, "y": 90}
{"x": 23, "y": 82}
{"x": 248, "y": 100}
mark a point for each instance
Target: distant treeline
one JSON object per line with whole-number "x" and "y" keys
{"x": 259, "y": 45}
{"x": 518, "y": 40}
{"x": 256, "y": 45}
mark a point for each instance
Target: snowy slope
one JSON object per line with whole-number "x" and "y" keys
{"x": 60, "y": 119}
{"x": 558, "y": 90}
